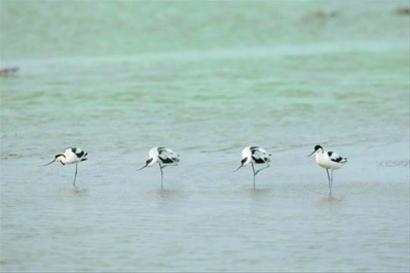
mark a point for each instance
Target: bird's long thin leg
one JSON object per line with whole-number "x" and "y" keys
{"x": 75, "y": 175}
{"x": 330, "y": 188}
{"x": 267, "y": 166}
{"x": 331, "y": 183}
{"x": 162, "y": 175}
{"x": 254, "y": 174}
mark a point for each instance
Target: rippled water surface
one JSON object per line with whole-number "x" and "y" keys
{"x": 206, "y": 79}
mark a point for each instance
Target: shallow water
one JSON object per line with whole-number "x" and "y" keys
{"x": 206, "y": 80}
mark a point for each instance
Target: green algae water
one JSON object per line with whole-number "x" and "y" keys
{"x": 205, "y": 78}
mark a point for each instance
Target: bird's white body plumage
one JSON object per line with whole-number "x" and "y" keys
{"x": 153, "y": 153}
{"x": 72, "y": 155}
{"x": 162, "y": 155}
{"x": 329, "y": 160}
{"x": 255, "y": 154}
{"x": 246, "y": 154}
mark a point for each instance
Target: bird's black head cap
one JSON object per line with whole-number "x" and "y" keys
{"x": 317, "y": 147}
{"x": 59, "y": 155}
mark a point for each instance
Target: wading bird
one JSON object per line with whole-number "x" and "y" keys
{"x": 70, "y": 156}
{"x": 164, "y": 157}
{"x": 254, "y": 155}
{"x": 329, "y": 161}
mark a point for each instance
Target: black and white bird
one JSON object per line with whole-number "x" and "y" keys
{"x": 164, "y": 157}
{"x": 71, "y": 156}
{"x": 255, "y": 155}
{"x": 330, "y": 161}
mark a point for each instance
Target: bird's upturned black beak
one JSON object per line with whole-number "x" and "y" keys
{"x": 52, "y": 161}
{"x": 309, "y": 155}
{"x": 143, "y": 167}
{"x": 238, "y": 168}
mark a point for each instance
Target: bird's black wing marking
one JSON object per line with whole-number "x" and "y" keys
{"x": 163, "y": 156}
{"x": 253, "y": 148}
{"x": 161, "y": 149}
{"x": 166, "y": 156}
{"x": 336, "y": 158}
{"x": 259, "y": 156}
{"x": 166, "y": 160}
{"x": 80, "y": 154}
{"x": 258, "y": 160}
